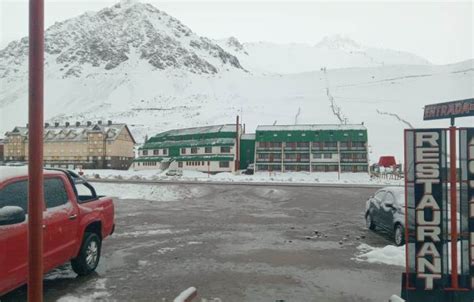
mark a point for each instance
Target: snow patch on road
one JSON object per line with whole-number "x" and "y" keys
{"x": 186, "y": 295}
{"x": 99, "y": 294}
{"x": 165, "y": 250}
{"x": 390, "y": 254}
{"x": 145, "y": 233}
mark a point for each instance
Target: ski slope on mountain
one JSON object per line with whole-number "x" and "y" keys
{"x": 157, "y": 101}
{"x": 331, "y": 52}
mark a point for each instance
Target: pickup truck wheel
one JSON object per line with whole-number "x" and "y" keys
{"x": 89, "y": 255}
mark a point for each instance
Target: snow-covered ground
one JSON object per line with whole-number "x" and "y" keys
{"x": 260, "y": 177}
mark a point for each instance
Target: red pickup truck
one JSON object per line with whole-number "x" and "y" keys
{"x": 75, "y": 221}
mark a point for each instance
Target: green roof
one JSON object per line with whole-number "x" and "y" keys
{"x": 198, "y": 157}
{"x": 216, "y": 131}
{"x": 189, "y": 143}
{"x": 204, "y": 158}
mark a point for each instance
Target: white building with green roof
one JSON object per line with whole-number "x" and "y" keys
{"x": 208, "y": 149}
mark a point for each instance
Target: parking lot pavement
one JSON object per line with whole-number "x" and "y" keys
{"x": 235, "y": 243}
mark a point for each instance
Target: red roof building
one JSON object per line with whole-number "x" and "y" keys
{"x": 387, "y": 161}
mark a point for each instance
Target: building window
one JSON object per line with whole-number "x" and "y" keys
{"x": 358, "y": 144}
{"x": 165, "y": 151}
{"x": 194, "y": 150}
{"x": 145, "y": 152}
{"x": 225, "y": 149}
{"x": 183, "y": 150}
{"x": 202, "y": 163}
{"x": 156, "y": 152}
{"x": 302, "y": 144}
{"x": 180, "y": 164}
{"x": 224, "y": 164}
{"x": 330, "y": 145}
{"x": 208, "y": 150}
{"x": 346, "y": 168}
{"x": 317, "y": 155}
{"x": 327, "y": 155}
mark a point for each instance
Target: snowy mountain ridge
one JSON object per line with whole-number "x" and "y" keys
{"x": 336, "y": 51}
{"x": 127, "y": 31}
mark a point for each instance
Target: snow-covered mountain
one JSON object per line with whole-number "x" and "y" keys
{"x": 126, "y": 33}
{"x": 135, "y": 64}
{"x": 331, "y": 52}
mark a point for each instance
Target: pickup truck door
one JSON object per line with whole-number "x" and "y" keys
{"x": 13, "y": 238}
{"x": 61, "y": 222}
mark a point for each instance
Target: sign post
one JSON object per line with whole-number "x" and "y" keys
{"x": 35, "y": 151}
{"x": 439, "y": 258}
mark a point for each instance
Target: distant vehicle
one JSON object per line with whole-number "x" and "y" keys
{"x": 76, "y": 221}
{"x": 386, "y": 210}
{"x": 250, "y": 169}
{"x": 15, "y": 164}
{"x": 174, "y": 172}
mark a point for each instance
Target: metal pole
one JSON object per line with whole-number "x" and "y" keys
{"x": 35, "y": 151}
{"x": 237, "y": 145}
{"x": 453, "y": 191}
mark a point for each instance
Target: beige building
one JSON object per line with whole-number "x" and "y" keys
{"x": 89, "y": 146}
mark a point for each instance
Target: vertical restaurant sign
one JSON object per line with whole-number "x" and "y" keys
{"x": 427, "y": 149}
{"x": 467, "y": 190}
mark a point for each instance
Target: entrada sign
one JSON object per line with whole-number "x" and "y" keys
{"x": 453, "y": 109}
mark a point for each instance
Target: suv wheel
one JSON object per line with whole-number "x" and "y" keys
{"x": 399, "y": 235}
{"x": 369, "y": 222}
{"x": 89, "y": 255}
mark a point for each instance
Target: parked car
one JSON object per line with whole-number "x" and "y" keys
{"x": 386, "y": 210}
{"x": 174, "y": 172}
{"x": 250, "y": 169}
{"x": 75, "y": 221}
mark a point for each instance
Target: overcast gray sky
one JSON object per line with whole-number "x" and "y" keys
{"x": 441, "y": 31}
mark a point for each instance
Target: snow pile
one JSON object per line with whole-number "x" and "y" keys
{"x": 132, "y": 191}
{"x": 390, "y": 254}
{"x": 393, "y": 255}
{"x": 186, "y": 295}
{"x": 99, "y": 294}
{"x": 260, "y": 177}
{"x": 395, "y": 298}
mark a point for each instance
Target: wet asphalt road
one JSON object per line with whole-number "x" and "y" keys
{"x": 235, "y": 243}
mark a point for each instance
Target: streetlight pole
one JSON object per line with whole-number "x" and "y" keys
{"x": 35, "y": 151}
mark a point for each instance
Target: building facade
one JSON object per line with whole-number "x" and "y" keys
{"x": 311, "y": 148}
{"x": 209, "y": 149}
{"x": 87, "y": 146}
{"x": 247, "y": 150}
